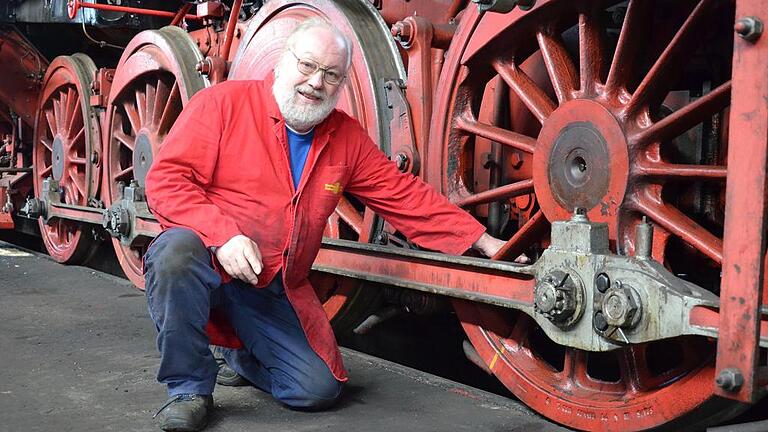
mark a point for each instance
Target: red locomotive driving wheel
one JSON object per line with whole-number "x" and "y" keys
{"x": 65, "y": 152}
{"x": 154, "y": 80}
{"x": 627, "y": 120}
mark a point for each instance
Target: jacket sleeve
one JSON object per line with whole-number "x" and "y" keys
{"x": 413, "y": 207}
{"x": 176, "y": 183}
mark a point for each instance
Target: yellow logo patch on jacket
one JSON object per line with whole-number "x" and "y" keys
{"x": 334, "y": 187}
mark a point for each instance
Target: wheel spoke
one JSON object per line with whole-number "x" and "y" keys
{"x": 562, "y": 72}
{"x": 133, "y": 116}
{"x": 332, "y": 227}
{"x": 126, "y": 140}
{"x": 687, "y": 117}
{"x": 126, "y": 173}
{"x": 79, "y": 184}
{"x": 58, "y": 110}
{"x": 57, "y": 114}
{"x": 171, "y": 109}
{"x": 528, "y": 234}
{"x": 590, "y": 51}
{"x": 674, "y": 221}
{"x": 664, "y": 170}
{"x": 149, "y": 100}
{"x": 161, "y": 96}
{"x": 47, "y": 144}
{"x": 634, "y": 32}
{"x": 529, "y": 93}
{"x": 634, "y": 368}
{"x": 141, "y": 107}
{"x": 575, "y": 366}
{"x": 349, "y": 214}
{"x": 79, "y": 136}
{"x": 498, "y": 194}
{"x": 75, "y": 125}
{"x": 497, "y": 134}
{"x": 46, "y": 172}
{"x": 654, "y": 86}
{"x": 71, "y": 108}
{"x": 51, "y": 119}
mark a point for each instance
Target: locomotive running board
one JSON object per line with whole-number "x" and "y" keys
{"x": 479, "y": 280}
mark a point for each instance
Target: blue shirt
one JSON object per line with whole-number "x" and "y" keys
{"x": 298, "y": 149}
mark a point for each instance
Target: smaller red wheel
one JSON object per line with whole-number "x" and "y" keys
{"x": 154, "y": 80}
{"x": 66, "y": 138}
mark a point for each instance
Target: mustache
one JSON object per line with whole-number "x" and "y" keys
{"x": 309, "y": 91}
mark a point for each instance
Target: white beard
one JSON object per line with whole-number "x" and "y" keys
{"x": 302, "y": 117}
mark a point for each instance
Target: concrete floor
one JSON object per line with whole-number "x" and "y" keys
{"x": 77, "y": 353}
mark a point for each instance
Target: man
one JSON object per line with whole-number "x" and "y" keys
{"x": 243, "y": 187}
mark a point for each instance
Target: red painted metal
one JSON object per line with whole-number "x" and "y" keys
{"x": 152, "y": 82}
{"x": 745, "y": 218}
{"x": 230, "y": 31}
{"x": 579, "y": 102}
{"x": 23, "y": 71}
{"x": 66, "y": 134}
{"x": 73, "y": 7}
{"x": 180, "y": 14}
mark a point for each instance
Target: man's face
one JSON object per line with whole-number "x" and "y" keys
{"x": 306, "y": 100}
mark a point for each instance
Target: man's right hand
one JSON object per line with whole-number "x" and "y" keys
{"x": 241, "y": 258}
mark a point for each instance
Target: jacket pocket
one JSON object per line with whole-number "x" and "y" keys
{"x": 325, "y": 190}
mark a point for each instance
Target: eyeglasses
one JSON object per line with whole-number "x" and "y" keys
{"x": 309, "y": 67}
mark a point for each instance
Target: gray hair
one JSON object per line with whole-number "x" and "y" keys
{"x": 318, "y": 22}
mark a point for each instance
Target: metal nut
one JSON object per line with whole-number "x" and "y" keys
{"x": 749, "y": 28}
{"x": 602, "y": 282}
{"x": 620, "y": 307}
{"x": 730, "y": 380}
{"x": 401, "y": 160}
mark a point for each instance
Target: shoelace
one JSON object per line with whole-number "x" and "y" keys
{"x": 178, "y": 397}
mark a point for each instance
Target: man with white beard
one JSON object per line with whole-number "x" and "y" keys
{"x": 243, "y": 187}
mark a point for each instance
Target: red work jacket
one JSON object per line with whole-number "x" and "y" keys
{"x": 224, "y": 170}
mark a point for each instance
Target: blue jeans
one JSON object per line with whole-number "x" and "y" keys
{"x": 182, "y": 287}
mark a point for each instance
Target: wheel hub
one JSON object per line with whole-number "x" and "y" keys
{"x": 142, "y": 158}
{"x": 581, "y": 161}
{"x": 579, "y": 166}
{"x": 57, "y": 158}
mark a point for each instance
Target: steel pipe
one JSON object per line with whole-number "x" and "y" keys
{"x": 73, "y": 6}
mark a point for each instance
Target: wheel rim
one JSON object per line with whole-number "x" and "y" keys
{"x": 374, "y": 58}
{"x": 66, "y": 146}
{"x": 601, "y": 130}
{"x": 154, "y": 80}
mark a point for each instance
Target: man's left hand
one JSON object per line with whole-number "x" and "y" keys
{"x": 490, "y": 246}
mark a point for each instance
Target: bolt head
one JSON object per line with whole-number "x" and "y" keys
{"x": 516, "y": 159}
{"x": 602, "y": 282}
{"x": 599, "y": 322}
{"x": 620, "y": 307}
{"x": 730, "y": 380}
{"x": 749, "y": 28}
{"x": 401, "y": 160}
